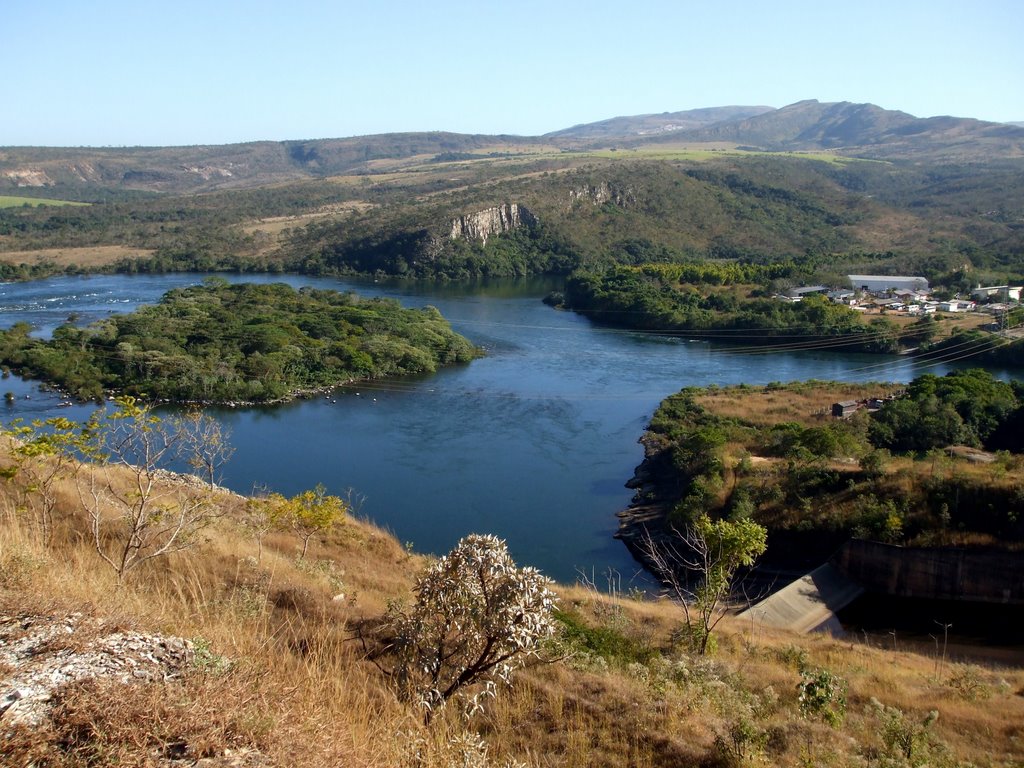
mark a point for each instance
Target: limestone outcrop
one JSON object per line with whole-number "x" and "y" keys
{"x": 605, "y": 192}
{"x": 490, "y": 221}
{"x": 40, "y": 654}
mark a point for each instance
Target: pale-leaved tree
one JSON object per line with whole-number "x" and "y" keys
{"x": 264, "y": 512}
{"x": 205, "y": 444}
{"x": 137, "y": 511}
{"x": 477, "y": 618}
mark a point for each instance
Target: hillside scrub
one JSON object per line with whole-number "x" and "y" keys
{"x": 777, "y": 455}
{"x": 275, "y": 677}
{"x": 593, "y": 209}
{"x": 244, "y": 342}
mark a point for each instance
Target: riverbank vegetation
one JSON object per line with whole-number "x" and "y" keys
{"x": 724, "y": 303}
{"x": 223, "y": 342}
{"x": 276, "y": 673}
{"x": 936, "y": 462}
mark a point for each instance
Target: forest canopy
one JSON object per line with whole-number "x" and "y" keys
{"x": 222, "y": 342}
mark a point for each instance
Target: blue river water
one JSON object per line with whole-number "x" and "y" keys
{"x": 532, "y": 442}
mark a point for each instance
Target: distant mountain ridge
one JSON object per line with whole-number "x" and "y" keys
{"x": 655, "y": 124}
{"x": 865, "y": 130}
{"x": 857, "y": 130}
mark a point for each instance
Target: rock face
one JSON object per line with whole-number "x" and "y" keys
{"x": 29, "y": 177}
{"x": 605, "y": 192}
{"x": 490, "y": 221}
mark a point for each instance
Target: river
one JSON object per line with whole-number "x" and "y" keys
{"x": 532, "y": 442}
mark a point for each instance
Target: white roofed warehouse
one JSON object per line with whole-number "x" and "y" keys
{"x": 882, "y": 283}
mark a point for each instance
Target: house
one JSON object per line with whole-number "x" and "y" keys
{"x": 845, "y": 408}
{"x": 849, "y": 298}
{"x": 956, "y": 305}
{"x": 883, "y": 283}
{"x": 893, "y": 304}
{"x": 996, "y": 309}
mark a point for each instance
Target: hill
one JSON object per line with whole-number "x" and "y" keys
{"x": 229, "y": 653}
{"x": 664, "y": 123}
{"x": 832, "y": 187}
{"x": 857, "y": 130}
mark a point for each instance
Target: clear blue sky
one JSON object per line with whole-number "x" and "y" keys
{"x": 131, "y": 72}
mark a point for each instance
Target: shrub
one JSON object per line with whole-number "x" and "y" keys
{"x": 476, "y": 619}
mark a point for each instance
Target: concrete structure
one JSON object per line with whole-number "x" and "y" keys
{"x": 1000, "y": 292}
{"x": 935, "y": 573}
{"x": 809, "y": 603}
{"x": 883, "y": 283}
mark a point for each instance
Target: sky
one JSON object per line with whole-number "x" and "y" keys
{"x": 135, "y": 73}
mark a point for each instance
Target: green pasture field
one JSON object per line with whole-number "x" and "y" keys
{"x": 10, "y": 201}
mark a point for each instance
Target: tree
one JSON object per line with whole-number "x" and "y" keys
{"x": 264, "y": 513}
{"x": 205, "y": 442}
{"x": 313, "y": 512}
{"x": 137, "y": 510}
{"x": 708, "y": 552}
{"x": 476, "y": 619}
{"x": 44, "y": 452}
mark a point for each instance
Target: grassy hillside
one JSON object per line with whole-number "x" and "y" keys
{"x": 279, "y": 677}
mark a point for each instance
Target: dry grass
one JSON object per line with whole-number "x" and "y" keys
{"x": 807, "y": 403}
{"x": 274, "y": 225}
{"x": 299, "y": 693}
{"x": 93, "y": 256}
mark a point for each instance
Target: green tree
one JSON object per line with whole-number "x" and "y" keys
{"x": 44, "y": 452}
{"x": 699, "y": 563}
{"x": 313, "y": 512}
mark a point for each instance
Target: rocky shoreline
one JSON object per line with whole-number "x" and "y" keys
{"x": 645, "y": 520}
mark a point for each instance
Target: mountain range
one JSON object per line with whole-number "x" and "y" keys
{"x": 841, "y": 128}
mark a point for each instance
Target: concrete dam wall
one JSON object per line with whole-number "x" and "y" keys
{"x": 934, "y": 573}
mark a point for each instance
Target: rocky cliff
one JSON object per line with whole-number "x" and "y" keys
{"x": 490, "y": 221}
{"x": 605, "y": 192}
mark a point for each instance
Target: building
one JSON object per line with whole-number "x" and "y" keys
{"x": 998, "y": 292}
{"x": 849, "y": 298}
{"x": 883, "y": 283}
{"x": 807, "y": 290}
{"x": 955, "y": 305}
{"x": 845, "y": 408}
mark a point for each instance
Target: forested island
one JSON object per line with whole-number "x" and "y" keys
{"x": 221, "y": 342}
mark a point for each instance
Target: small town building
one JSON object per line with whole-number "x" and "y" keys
{"x": 848, "y": 298}
{"x": 888, "y": 303}
{"x": 845, "y": 408}
{"x": 956, "y": 305}
{"x": 807, "y": 290}
{"x": 996, "y": 309}
{"x": 884, "y": 283}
